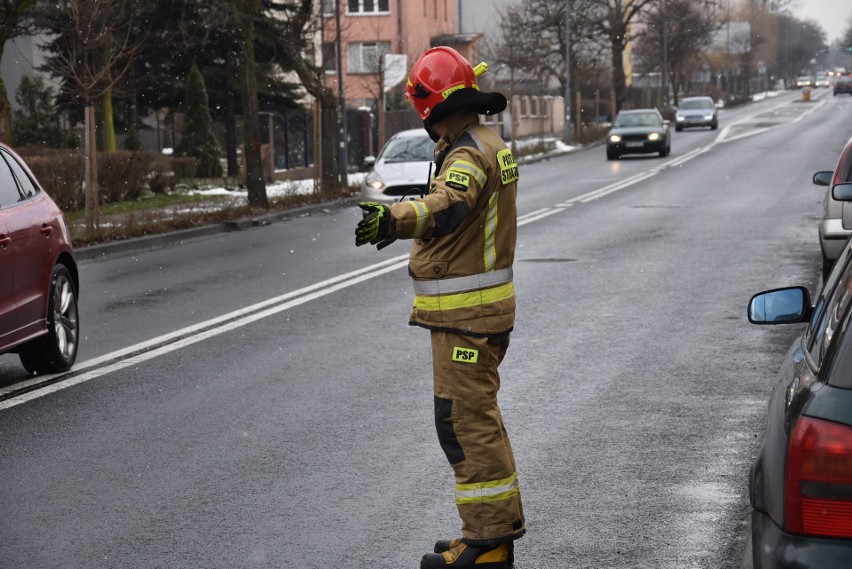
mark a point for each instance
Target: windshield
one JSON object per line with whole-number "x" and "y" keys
{"x": 408, "y": 149}
{"x": 686, "y": 105}
{"x": 637, "y": 119}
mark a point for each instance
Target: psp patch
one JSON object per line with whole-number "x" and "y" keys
{"x": 458, "y": 180}
{"x": 465, "y": 355}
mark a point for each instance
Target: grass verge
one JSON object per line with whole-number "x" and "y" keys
{"x": 172, "y": 212}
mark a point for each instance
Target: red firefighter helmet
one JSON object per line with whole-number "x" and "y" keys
{"x": 442, "y": 79}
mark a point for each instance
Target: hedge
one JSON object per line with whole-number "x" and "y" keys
{"x": 122, "y": 176}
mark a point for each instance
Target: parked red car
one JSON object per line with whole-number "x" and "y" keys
{"x": 39, "y": 282}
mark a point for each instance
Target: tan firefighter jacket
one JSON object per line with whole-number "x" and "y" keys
{"x": 464, "y": 230}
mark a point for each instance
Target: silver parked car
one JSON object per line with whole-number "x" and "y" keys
{"x": 696, "y": 111}
{"x": 836, "y": 224}
{"x": 401, "y": 169}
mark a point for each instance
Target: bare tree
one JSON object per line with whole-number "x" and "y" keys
{"x": 15, "y": 21}
{"x": 683, "y": 30}
{"x": 538, "y": 55}
{"x": 91, "y": 52}
{"x": 299, "y": 24}
{"x": 614, "y": 19}
{"x": 237, "y": 19}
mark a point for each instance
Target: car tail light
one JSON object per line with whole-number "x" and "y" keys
{"x": 818, "y": 479}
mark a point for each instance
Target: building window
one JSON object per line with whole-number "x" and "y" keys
{"x": 329, "y": 57}
{"x": 367, "y": 6}
{"x": 364, "y": 57}
{"x": 328, "y": 7}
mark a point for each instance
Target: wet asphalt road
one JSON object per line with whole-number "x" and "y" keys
{"x": 299, "y": 433}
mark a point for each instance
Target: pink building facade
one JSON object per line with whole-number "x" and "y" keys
{"x": 371, "y": 29}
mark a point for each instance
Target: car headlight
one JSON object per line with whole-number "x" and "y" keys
{"x": 708, "y": 117}
{"x": 374, "y": 182}
{"x": 679, "y": 117}
{"x": 654, "y": 136}
{"x": 615, "y": 138}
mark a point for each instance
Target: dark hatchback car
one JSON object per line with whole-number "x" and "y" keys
{"x": 38, "y": 274}
{"x": 801, "y": 481}
{"x": 639, "y": 131}
{"x": 842, "y": 84}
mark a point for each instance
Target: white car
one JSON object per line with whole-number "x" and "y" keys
{"x": 696, "y": 111}
{"x": 401, "y": 169}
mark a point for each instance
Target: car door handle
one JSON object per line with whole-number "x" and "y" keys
{"x": 4, "y": 241}
{"x": 47, "y": 230}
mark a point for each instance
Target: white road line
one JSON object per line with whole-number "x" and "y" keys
{"x": 187, "y": 336}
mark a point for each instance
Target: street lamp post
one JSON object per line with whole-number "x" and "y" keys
{"x": 567, "y": 71}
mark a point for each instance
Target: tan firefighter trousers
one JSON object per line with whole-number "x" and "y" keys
{"x": 472, "y": 435}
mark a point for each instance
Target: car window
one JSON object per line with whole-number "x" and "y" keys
{"x": 696, "y": 104}
{"x": 843, "y": 172}
{"x": 829, "y": 312}
{"x": 9, "y": 193}
{"x": 25, "y": 184}
{"x": 637, "y": 119}
{"x": 839, "y": 363}
{"x": 408, "y": 149}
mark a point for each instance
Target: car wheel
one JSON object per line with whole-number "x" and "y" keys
{"x": 665, "y": 151}
{"x": 56, "y": 351}
{"x": 678, "y": 128}
{"x": 611, "y": 154}
{"x": 714, "y": 125}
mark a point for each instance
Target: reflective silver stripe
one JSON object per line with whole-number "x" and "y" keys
{"x": 422, "y": 214}
{"x": 461, "y": 284}
{"x": 490, "y": 230}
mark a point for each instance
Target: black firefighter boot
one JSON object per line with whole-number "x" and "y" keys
{"x": 443, "y": 545}
{"x": 461, "y": 555}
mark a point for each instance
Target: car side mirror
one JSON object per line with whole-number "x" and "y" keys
{"x": 780, "y": 306}
{"x": 369, "y": 161}
{"x": 823, "y": 178}
{"x": 842, "y": 192}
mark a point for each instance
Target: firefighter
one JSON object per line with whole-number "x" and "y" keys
{"x": 464, "y": 233}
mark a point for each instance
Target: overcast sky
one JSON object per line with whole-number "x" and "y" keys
{"x": 832, "y": 15}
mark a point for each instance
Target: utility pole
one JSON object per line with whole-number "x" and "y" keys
{"x": 665, "y": 76}
{"x": 567, "y": 72}
{"x": 343, "y": 166}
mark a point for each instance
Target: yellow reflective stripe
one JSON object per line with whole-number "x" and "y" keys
{"x": 490, "y": 230}
{"x": 422, "y": 213}
{"x": 492, "y": 491}
{"x": 447, "y": 92}
{"x": 464, "y": 166}
{"x": 464, "y": 299}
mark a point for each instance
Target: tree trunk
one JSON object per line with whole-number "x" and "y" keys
{"x": 5, "y": 113}
{"x": 108, "y": 123}
{"x": 231, "y": 140}
{"x": 91, "y": 171}
{"x": 619, "y": 84}
{"x": 330, "y": 182}
{"x": 255, "y": 185}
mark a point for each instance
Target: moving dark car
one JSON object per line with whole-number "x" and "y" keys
{"x": 801, "y": 481}
{"x": 640, "y": 131}
{"x": 38, "y": 274}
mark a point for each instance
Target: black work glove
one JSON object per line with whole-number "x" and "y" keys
{"x": 375, "y": 225}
